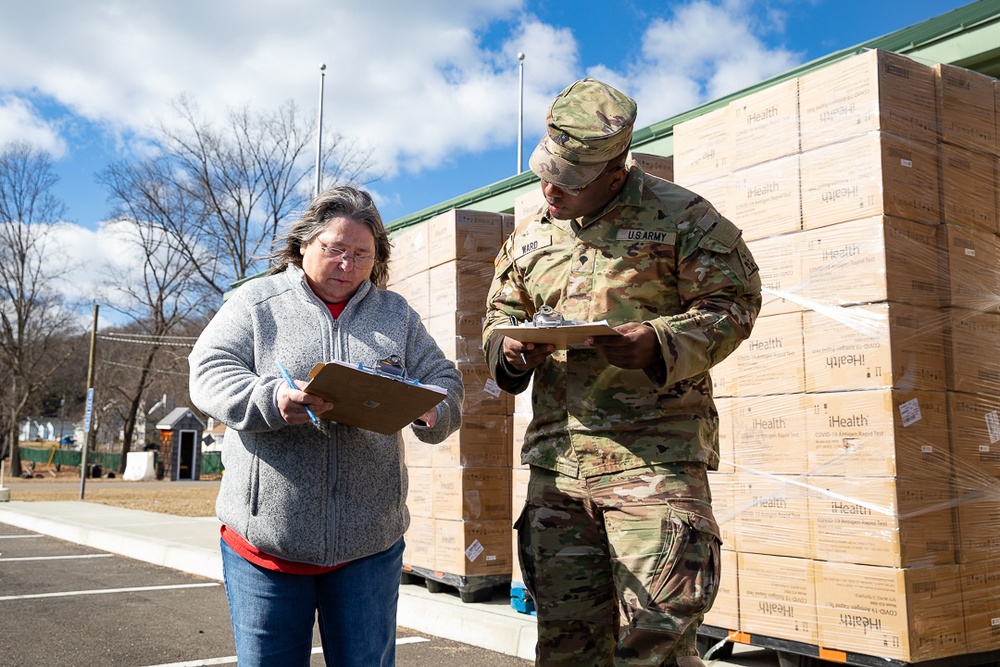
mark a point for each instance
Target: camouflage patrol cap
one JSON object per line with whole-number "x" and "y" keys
{"x": 589, "y": 123}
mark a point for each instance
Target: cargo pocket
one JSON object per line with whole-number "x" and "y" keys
{"x": 524, "y": 554}
{"x": 687, "y": 581}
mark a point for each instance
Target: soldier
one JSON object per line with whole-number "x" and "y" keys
{"x": 618, "y": 543}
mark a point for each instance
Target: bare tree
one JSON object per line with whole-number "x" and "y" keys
{"x": 230, "y": 188}
{"x": 32, "y": 314}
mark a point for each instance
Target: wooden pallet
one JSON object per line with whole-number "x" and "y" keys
{"x": 470, "y": 589}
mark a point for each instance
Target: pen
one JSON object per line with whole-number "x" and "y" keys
{"x": 523, "y": 360}
{"x": 288, "y": 380}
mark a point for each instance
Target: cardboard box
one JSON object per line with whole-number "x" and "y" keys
{"x": 874, "y": 90}
{"x": 878, "y": 433}
{"x": 473, "y": 236}
{"x": 777, "y": 597}
{"x": 419, "y": 540}
{"x": 519, "y": 491}
{"x": 409, "y": 254}
{"x": 896, "y": 522}
{"x": 420, "y": 496}
{"x": 769, "y": 433}
{"x": 471, "y": 494}
{"x": 769, "y": 362}
{"x": 482, "y": 394}
{"x": 908, "y": 614}
{"x": 764, "y": 125}
{"x": 970, "y": 261}
{"x": 977, "y": 515}
{"x": 661, "y": 166}
{"x": 483, "y": 441}
{"x": 974, "y": 430}
{"x": 459, "y": 334}
{"x": 519, "y": 426}
{"x": 415, "y": 289}
{"x": 874, "y": 346}
{"x": 473, "y": 548}
{"x": 968, "y": 188}
{"x": 872, "y": 174}
{"x": 527, "y": 206}
{"x": 725, "y": 612}
{"x": 727, "y": 455}
{"x": 965, "y": 108}
{"x": 764, "y": 199}
{"x": 870, "y": 260}
{"x": 701, "y": 148}
{"x": 981, "y": 601}
{"x": 781, "y": 277}
{"x": 971, "y": 338}
{"x": 772, "y": 515}
{"x": 723, "y": 487}
{"x": 459, "y": 285}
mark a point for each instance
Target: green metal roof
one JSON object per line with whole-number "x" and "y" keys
{"x": 968, "y": 37}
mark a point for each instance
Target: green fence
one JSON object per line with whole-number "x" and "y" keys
{"x": 211, "y": 462}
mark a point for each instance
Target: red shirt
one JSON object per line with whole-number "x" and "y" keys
{"x": 267, "y": 561}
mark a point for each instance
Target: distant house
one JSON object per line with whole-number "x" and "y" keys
{"x": 180, "y": 438}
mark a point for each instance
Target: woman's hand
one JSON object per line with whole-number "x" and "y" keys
{"x": 292, "y": 403}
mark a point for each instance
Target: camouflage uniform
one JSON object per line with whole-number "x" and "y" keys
{"x": 618, "y": 538}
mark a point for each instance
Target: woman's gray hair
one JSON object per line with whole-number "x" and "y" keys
{"x": 342, "y": 201}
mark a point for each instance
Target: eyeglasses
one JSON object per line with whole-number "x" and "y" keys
{"x": 340, "y": 255}
{"x": 576, "y": 192}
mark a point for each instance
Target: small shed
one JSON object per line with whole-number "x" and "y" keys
{"x": 180, "y": 438}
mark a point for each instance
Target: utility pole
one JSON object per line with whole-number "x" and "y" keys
{"x": 88, "y": 418}
{"x": 319, "y": 132}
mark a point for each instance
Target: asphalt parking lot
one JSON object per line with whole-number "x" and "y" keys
{"x": 72, "y": 605}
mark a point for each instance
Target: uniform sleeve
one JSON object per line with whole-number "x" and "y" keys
{"x": 223, "y": 379}
{"x": 719, "y": 282}
{"x": 508, "y": 302}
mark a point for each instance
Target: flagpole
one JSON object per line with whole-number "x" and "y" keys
{"x": 319, "y": 131}
{"x": 520, "y": 112}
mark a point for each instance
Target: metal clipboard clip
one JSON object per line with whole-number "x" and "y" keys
{"x": 548, "y": 317}
{"x": 390, "y": 367}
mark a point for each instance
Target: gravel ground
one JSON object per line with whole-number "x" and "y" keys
{"x": 188, "y": 498}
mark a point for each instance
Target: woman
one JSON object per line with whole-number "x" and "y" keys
{"x": 313, "y": 514}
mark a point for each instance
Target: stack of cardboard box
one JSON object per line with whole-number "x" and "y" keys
{"x": 861, "y": 501}
{"x": 459, "y": 497}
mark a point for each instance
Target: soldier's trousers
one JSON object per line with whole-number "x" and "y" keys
{"x": 622, "y": 567}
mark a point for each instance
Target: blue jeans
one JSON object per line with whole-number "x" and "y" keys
{"x": 273, "y": 613}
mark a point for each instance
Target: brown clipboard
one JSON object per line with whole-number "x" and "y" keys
{"x": 369, "y": 400}
{"x": 562, "y": 336}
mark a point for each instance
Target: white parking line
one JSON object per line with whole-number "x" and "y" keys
{"x": 17, "y": 537}
{"x": 24, "y": 558}
{"x": 103, "y": 591}
{"x": 229, "y": 660}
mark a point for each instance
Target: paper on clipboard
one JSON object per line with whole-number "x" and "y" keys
{"x": 562, "y": 336}
{"x": 370, "y": 400}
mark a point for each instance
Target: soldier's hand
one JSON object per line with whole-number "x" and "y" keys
{"x": 525, "y": 356}
{"x": 636, "y": 349}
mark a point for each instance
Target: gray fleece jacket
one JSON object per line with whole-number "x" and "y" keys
{"x": 315, "y": 494}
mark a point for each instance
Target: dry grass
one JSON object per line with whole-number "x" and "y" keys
{"x": 177, "y": 498}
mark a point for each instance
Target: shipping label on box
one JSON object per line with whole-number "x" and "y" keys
{"x": 875, "y": 90}
{"x": 769, "y": 362}
{"x": 781, "y": 277}
{"x": 725, "y": 612}
{"x": 873, "y": 174}
{"x": 896, "y": 522}
{"x": 764, "y": 199}
{"x": 777, "y": 597}
{"x": 970, "y": 260}
{"x": 911, "y": 614}
{"x": 772, "y": 515}
{"x": 701, "y": 148}
{"x": 769, "y": 433}
{"x": 764, "y": 125}
{"x": 972, "y": 360}
{"x": 482, "y": 394}
{"x": 473, "y": 548}
{"x": 966, "y": 108}
{"x": 471, "y": 493}
{"x": 974, "y": 428}
{"x": 968, "y": 188}
{"x": 870, "y": 260}
{"x": 878, "y": 433}
{"x": 874, "y": 346}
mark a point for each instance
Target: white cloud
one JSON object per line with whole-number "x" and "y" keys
{"x": 20, "y": 121}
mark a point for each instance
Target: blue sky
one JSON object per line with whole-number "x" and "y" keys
{"x": 430, "y": 86}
